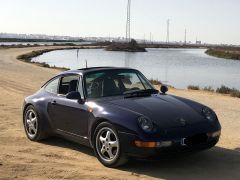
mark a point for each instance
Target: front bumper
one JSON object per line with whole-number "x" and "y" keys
{"x": 181, "y": 145}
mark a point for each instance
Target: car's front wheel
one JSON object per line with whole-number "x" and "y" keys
{"x": 33, "y": 125}
{"x": 107, "y": 146}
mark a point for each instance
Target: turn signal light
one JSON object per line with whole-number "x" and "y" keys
{"x": 146, "y": 144}
{"x": 153, "y": 144}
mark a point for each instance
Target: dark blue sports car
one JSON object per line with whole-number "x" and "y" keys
{"x": 118, "y": 113}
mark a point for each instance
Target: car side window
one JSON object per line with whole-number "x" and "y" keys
{"x": 68, "y": 84}
{"x": 52, "y": 87}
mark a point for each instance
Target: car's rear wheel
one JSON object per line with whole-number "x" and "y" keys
{"x": 33, "y": 125}
{"x": 107, "y": 146}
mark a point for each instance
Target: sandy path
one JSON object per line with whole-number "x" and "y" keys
{"x": 57, "y": 158}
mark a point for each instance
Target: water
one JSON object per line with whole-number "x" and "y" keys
{"x": 176, "y": 67}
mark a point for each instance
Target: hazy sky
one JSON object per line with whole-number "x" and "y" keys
{"x": 213, "y": 21}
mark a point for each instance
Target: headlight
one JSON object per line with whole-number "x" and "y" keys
{"x": 146, "y": 124}
{"x": 209, "y": 114}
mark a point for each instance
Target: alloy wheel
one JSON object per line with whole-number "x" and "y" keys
{"x": 107, "y": 144}
{"x": 31, "y": 123}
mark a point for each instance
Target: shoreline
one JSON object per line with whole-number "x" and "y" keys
{"x": 27, "y": 57}
{"x": 225, "y": 53}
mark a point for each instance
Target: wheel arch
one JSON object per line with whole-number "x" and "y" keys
{"x": 94, "y": 126}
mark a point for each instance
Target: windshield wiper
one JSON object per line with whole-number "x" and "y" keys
{"x": 140, "y": 93}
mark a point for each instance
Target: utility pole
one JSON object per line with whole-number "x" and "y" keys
{"x": 128, "y": 27}
{"x": 185, "y": 36}
{"x": 168, "y": 24}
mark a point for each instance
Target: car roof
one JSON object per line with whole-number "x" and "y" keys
{"x": 92, "y": 69}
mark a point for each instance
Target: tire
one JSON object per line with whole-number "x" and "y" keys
{"x": 107, "y": 146}
{"x": 33, "y": 125}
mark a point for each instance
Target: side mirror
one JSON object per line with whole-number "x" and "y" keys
{"x": 164, "y": 89}
{"x": 75, "y": 95}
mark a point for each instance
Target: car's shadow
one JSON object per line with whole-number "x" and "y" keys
{"x": 216, "y": 163}
{"x": 56, "y": 141}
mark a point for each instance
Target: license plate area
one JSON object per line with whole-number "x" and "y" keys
{"x": 194, "y": 140}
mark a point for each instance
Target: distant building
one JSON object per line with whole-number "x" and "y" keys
{"x": 198, "y": 42}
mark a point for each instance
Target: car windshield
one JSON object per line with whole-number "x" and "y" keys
{"x": 116, "y": 82}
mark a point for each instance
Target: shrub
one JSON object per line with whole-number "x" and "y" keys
{"x": 208, "y": 88}
{"x": 192, "y": 87}
{"x": 224, "y": 90}
{"x": 235, "y": 93}
{"x": 45, "y": 65}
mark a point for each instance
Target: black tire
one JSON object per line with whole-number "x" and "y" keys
{"x": 119, "y": 158}
{"x": 38, "y": 126}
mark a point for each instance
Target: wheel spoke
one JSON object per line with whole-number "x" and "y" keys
{"x": 34, "y": 129}
{"x": 110, "y": 153}
{"x": 30, "y": 129}
{"x": 102, "y": 139}
{"x": 113, "y": 144}
{"x": 30, "y": 115}
{"x": 108, "y": 135}
{"x": 29, "y": 122}
{"x": 34, "y": 120}
{"x": 103, "y": 150}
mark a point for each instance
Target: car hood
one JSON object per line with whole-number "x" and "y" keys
{"x": 164, "y": 110}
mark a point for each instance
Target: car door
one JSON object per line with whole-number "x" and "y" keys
{"x": 68, "y": 115}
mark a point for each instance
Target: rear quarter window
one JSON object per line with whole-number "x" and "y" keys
{"x": 52, "y": 87}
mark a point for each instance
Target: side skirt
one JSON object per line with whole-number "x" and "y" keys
{"x": 74, "y": 137}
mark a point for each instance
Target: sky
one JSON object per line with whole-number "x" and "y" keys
{"x": 211, "y": 21}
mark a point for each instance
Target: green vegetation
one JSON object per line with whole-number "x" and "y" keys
{"x": 28, "y": 57}
{"x": 227, "y": 53}
{"x": 208, "y": 88}
{"x": 222, "y": 90}
{"x": 235, "y": 93}
{"x": 226, "y": 90}
{"x": 192, "y": 87}
{"x": 132, "y": 46}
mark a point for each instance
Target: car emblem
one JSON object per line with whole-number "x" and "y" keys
{"x": 182, "y": 121}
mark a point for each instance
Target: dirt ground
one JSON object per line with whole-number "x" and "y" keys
{"x": 57, "y": 159}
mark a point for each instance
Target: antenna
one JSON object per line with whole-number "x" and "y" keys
{"x": 77, "y": 58}
{"x": 86, "y": 63}
{"x": 128, "y": 27}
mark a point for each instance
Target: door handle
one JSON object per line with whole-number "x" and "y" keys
{"x": 54, "y": 102}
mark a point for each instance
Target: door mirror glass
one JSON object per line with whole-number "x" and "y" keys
{"x": 73, "y": 95}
